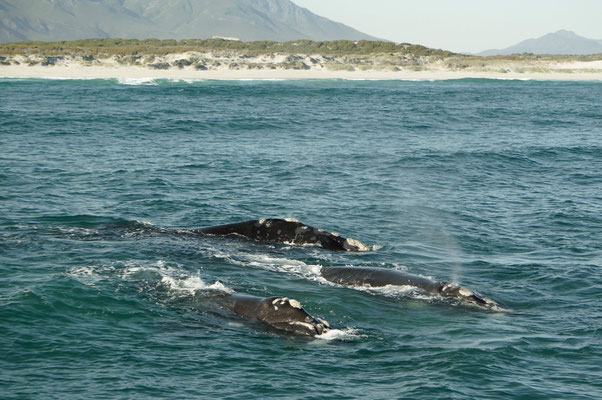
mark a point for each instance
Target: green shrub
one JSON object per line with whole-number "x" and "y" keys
{"x": 335, "y": 66}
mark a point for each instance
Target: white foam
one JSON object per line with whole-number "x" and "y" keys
{"x": 394, "y": 291}
{"x": 186, "y": 80}
{"x": 137, "y": 81}
{"x": 86, "y": 275}
{"x": 62, "y": 78}
{"x": 338, "y": 334}
{"x": 77, "y": 230}
{"x": 253, "y": 79}
{"x": 508, "y": 79}
{"x": 192, "y": 284}
{"x": 133, "y": 269}
{"x": 295, "y": 267}
{"x": 400, "y": 267}
{"x": 222, "y": 255}
{"x": 171, "y": 276}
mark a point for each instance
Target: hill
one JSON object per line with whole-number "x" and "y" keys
{"x": 561, "y": 42}
{"x": 247, "y": 20}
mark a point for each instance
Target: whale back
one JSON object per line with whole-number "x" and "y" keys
{"x": 379, "y": 277}
{"x": 376, "y": 277}
{"x": 286, "y": 231}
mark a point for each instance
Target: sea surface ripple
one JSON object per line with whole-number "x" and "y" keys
{"x": 493, "y": 184}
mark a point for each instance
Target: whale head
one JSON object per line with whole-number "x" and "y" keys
{"x": 288, "y": 315}
{"x": 354, "y": 245}
{"x": 466, "y": 295}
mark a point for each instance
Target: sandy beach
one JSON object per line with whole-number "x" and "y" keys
{"x": 132, "y": 72}
{"x": 234, "y": 66}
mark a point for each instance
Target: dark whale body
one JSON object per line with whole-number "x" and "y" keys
{"x": 286, "y": 231}
{"x": 295, "y": 232}
{"x": 379, "y": 277}
{"x": 280, "y": 313}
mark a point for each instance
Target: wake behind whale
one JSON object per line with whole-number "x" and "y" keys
{"x": 174, "y": 287}
{"x": 291, "y": 231}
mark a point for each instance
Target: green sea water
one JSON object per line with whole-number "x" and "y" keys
{"x": 493, "y": 184}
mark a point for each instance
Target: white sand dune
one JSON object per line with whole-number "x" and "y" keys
{"x": 269, "y": 67}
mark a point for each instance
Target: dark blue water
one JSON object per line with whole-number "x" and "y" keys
{"x": 496, "y": 185}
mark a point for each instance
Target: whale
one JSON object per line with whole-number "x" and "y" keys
{"x": 380, "y": 277}
{"x": 280, "y": 313}
{"x": 289, "y": 231}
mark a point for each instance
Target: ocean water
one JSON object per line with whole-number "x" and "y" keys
{"x": 493, "y": 184}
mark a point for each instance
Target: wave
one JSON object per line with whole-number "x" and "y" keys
{"x": 346, "y": 334}
{"x": 312, "y": 271}
{"x": 162, "y": 281}
{"x": 172, "y": 278}
{"x": 175, "y": 280}
{"x": 172, "y": 285}
{"x": 137, "y": 81}
{"x": 94, "y": 227}
{"x": 83, "y": 220}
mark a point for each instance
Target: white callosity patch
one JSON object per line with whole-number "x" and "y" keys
{"x": 295, "y": 304}
{"x": 281, "y": 301}
{"x": 292, "y": 220}
{"x": 309, "y": 326}
{"x": 355, "y": 245}
{"x": 448, "y": 286}
{"x": 323, "y": 322}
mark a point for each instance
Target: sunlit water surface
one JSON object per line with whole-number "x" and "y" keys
{"x": 496, "y": 185}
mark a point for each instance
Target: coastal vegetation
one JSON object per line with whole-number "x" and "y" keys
{"x": 106, "y": 47}
{"x": 223, "y": 54}
{"x": 99, "y": 47}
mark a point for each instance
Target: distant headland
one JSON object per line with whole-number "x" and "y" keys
{"x": 302, "y": 59}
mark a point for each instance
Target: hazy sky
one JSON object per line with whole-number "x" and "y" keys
{"x": 463, "y": 25}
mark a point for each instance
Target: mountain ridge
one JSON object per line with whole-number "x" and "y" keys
{"x": 555, "y": 43}
{"x": 247, "y": 20}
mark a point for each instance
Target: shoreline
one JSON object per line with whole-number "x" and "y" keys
{"x": 134, "y": 72}
{"x": 299, "y": 60}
